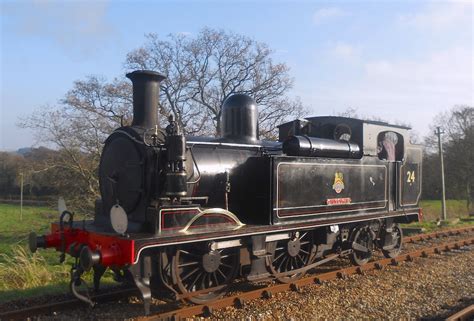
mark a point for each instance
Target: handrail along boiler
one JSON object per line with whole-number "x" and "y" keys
{"x": 189, "y": 214}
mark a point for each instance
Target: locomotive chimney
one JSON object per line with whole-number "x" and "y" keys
{"x": 146, "y": 93}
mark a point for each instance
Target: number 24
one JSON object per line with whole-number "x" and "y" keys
{"x": 410, "y": 176}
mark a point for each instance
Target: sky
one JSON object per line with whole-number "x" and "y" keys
{"x": 403, "y": 61}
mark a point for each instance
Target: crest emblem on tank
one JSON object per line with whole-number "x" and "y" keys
{"x": 338, "y": 185}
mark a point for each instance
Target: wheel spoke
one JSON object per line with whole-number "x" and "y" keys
{"x": 279, "y": 256}
{"x": 291, "y": 256}
{"x": 227, "y": 265}
{"x": 203, "y": 281}
{"x": 190, "y": 254}
{"x": 228, "y": 255}
{"x": 299, "y": 257}
{"x": 189, "y": 274}
{"x": 187, "y": 268}
{"x": 305, "y": 252}
{"x": 281, "y": 263}
{"x": 221, "y": 273}
{"x": 190, "y": 288}
{"x": 288, "y": 264}
{"x": 188, "y": 264}
{"x": 215, "y": 278}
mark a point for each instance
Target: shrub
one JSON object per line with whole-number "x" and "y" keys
{"x": 23, "y": 270}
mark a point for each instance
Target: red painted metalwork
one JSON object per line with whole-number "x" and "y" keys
{"x": 114, "y": 251}
{"x": 338, "y": 201}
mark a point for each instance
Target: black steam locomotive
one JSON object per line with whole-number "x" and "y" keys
{"x": 189, "y": 214}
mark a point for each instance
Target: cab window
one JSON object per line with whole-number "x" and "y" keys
{"x": 390, "y": 146}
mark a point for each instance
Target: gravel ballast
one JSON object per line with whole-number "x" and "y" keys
{"x": 432, "y": 287}
{"x": 424, "y": 288}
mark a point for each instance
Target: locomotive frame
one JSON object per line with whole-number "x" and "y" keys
{"x": 188, "y": 214}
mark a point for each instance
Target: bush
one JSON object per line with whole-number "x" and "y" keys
{"x": 23, "y": 270}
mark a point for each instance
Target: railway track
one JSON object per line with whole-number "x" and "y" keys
{"x": 268, "y": 292}
{"x": 265, "y": 292}
{"x": 50, "y": 308}
{"x": 463, "y": 315}
{"x": 439, "y": 234}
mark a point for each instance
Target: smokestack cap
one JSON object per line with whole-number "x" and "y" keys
{"x": 146, "y": 75}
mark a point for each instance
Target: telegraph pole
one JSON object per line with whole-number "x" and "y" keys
{"x": 21, "y": 196}
{"x": 438, "y": 132}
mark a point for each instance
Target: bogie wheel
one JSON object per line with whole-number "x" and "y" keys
{"x": 196, "y": 268}
{"x": 393, "y": 242}
{"x": 362, "y": 245}
{"x": 292, "y": 254}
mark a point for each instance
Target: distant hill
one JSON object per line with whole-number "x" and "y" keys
{"x": 24, "y": 150}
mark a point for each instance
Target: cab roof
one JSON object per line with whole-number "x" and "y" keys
{"x": 354, "y": 120}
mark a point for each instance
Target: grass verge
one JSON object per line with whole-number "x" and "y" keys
{"x": 454, "y": 209}
{"x": 24, "y": 274}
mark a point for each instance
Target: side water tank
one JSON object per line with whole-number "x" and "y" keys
{"x": 240, "y": 119}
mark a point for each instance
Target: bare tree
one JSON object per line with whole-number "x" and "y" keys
{"x": 110, "y": 102}
{"x": 78, "y": 137}
{"x": 201, "y": 73}
{"x": 10, "y": 166}
{"x": 458, "y": 142}
{"x": 77, "y": 129}
{"x": 350, "y": 112}
{"x": 460, "y": 151}
{"x": 205, "y": 70}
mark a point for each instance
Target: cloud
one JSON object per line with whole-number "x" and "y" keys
{"x": 324, "y": 14}
{"x": 447, "y": 72}
{"x": 345, "y": 51}
{"x": 429, "y": 72}
{"x": 78, "y": 27}
{"x": 377, "y": 68}
{"x": 440, "y": 16}
{"x": 405, "y": 90}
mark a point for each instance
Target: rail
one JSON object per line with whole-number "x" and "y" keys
{"x": 267, "y": 292}
{"x": 239, "y": 300}
{"x": 464, "y": 314}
